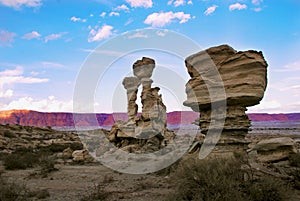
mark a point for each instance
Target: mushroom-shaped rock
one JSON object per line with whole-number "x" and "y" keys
{"x": 244, "y": 76}
{"x": 143, "y": 68}
{"x": 240, "y": 76}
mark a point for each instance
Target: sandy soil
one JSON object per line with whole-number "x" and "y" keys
{"x": 73, "y": 182}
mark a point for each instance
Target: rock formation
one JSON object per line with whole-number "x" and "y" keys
{"x": 61, "y": 144}
{"x": 131, "y": 84}
{"x": 147, "y": 132}
{"x": 244, "y": 78}
{"x": 274, "y": 149}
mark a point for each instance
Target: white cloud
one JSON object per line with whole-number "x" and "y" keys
{"x": 114, "y": 14}
{"x": 31, "y": 35}
{"x": 257, "y": 2}
{"x": 6, "y": 94}
{"x": 129, "y": 21}
{"x": 176, "y": 3}
{"x": 101, "y": 33}
{"x": 34, "y": 73}
{"x": 91, "y": 15}
{"x": 15, "y": 72}
{"x": 140, "y": 3}
{"x": 162, "y": 19}
{"x": 138, "y": 35}
{"x": 77, "y": 19}
{"x": 54, "y": 36}
{"x": 17, "y": 4}
{"x": 292, "y": 67}
{"x": 104, "y": 52}
{"x": 257, "y": 9}
{"x": 162, "y": 32}
{"x": 103, "y": 14}
{"x": 269, "y": 106}
{"x": 15, "y": 76}
{"x": 237, "y": 6}
{"x": 122, "y": 7}
{"x": 52, "y": 64}
{"x": 50, "y": 104}
{"x": 6, "y": 38}
{"x": 210, "y": 10}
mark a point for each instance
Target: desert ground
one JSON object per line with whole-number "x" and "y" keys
{"x": 51, "y": 178}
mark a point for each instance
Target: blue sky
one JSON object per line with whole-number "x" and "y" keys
{"x": 43, "y": 44}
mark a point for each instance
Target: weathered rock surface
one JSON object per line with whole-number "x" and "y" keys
{"x": 60, "y": 143}
{"x": 241, "y": 76}
{"x": 147, "y": 132}
{"x": 275, "y": 149}
{"x": 244, "y": 76}
{"x": 82, "y": 156}
{"x": 143, "y": 68}
{"x": 131, "y": 84}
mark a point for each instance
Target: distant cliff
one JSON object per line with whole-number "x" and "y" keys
{"x": 34, "y": 118}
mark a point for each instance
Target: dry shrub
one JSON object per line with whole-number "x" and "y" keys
{"x": 97, "y": 193}
{"x": 19, "y": 160}
{"x": 10, "y": 191}
{"x": 222, "y": 180}
{"x": 295, "y": 160}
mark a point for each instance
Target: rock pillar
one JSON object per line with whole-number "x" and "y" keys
{"x": 244, "y": 78}
{"x": 131, "y": 84}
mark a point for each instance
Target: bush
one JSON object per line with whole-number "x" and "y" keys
{"x": 9, "y": 134}
{"x": 222, "y": 180}
{"x": 16, "y": 192}
{"x": 47, "y": 164}
{"x": 295, "y": 160}
{"x": 12, "y": 191}
{"x": 266, "y": 188}
{"x": 27, "y": 158}
{"x": 18, "y": 160}
{"x": 98, "y": 193}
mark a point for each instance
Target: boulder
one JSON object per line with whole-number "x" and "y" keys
{"x": 275, "y": 149}
{"x": 81, "y": 156}
{"x": 143, "y": 68}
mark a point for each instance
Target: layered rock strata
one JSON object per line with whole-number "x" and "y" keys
{"x": 147, "y": 132}
{"x": 241, "y": 76}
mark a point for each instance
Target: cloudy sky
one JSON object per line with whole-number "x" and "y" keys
{"x": 44, "y": 43}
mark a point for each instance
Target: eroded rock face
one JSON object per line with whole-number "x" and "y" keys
{"x": 143, "y": 68}
{"x": 243, "y": 78}
{"x": 147, "y": 132}
{"x": 131, "y": 84}
{"x": 275, "y": 149}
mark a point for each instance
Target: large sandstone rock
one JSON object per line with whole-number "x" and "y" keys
{"x": 240, "y": 76}
{"x": 131, "y": 84}
{"x": 82, "y": 156}
{"x": 274, "y": 149}
{"x": 143, "y": 68}
{"x": 244, "y": 76}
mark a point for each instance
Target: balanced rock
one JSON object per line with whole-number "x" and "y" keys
{"x": 241, "y": 76}
{"x": 143, "y": 68}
